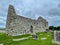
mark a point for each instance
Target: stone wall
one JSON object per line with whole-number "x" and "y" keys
{"x": 56, "y": 37}
{"x": 17, "y": 25}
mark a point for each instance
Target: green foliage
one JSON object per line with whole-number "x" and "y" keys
{"x": 2, "y": 28}
{"x": 58, "y": 28}
{"x": 54, "y": 28}
{"x": 51, "y": 27}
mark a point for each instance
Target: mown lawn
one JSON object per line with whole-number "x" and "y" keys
{"x": 5, "y": 39}
{"x": 26, "y": 35}
{"x": 8, "y": 40}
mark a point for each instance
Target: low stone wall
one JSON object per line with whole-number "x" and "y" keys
{"x": 56, "y": 37}
{"x": 2, "y": 31}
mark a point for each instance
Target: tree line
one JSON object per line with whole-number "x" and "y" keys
{"x": 54, "y": 27}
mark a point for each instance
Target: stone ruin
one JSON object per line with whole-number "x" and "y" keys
{"x": 18, "y": 25}
{"x": 56, "y": 37}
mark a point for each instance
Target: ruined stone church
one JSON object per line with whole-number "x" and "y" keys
{"x": 18, "y": 25}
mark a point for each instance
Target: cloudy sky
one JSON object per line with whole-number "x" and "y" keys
{"x": 48, "y": 9}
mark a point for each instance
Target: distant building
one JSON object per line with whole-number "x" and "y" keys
{"x": 18, "y": 25}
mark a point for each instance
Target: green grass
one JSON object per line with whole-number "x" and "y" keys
{"x": 26, "y": 35}
{"x": 8, "y": 40}
{"x": 4, "y": 38}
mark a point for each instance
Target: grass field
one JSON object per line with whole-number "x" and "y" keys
{"x": 6, "y": 40}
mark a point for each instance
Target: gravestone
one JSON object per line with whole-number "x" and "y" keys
{"x": 34, "y": 36}
{"x": 46, "y": 31}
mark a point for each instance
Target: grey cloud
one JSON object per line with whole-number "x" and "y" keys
{"x": 49, "y": 9}
{"x": 54, "y": 11}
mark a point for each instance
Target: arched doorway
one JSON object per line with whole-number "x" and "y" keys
{"x": 31, "y": 29}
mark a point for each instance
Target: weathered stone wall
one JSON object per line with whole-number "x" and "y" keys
{"x": 56, "y": 37}
{"x": 17, "y": 25}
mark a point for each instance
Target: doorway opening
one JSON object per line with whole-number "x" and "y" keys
{"x": 31, "y": 29}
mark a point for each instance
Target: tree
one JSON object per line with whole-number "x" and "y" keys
{"x": 54, "y": 28}
{"x": 51, "y": 27}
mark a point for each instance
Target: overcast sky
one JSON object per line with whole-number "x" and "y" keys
{"x": 48, "y": 9}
